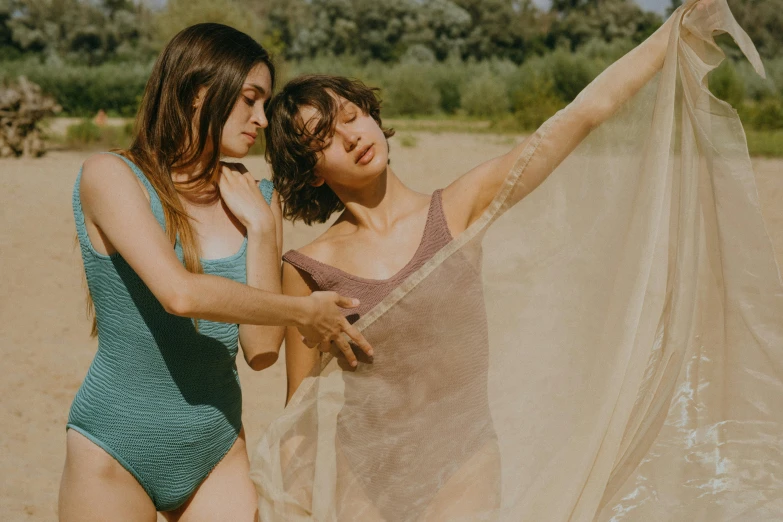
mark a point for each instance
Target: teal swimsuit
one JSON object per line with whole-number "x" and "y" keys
{"x": 160, "y": 397}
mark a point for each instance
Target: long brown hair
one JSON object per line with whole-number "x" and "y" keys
{"x": 211, "y": 56}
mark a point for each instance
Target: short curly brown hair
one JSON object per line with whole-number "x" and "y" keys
{"x": 292, "y": 149}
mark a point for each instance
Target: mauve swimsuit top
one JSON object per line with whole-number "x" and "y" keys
{"x": 370, "y": 292}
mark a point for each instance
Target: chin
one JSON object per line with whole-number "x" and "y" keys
{"x": 235, "y": 151}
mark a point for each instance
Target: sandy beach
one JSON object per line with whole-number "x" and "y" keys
{"x": 44, "y": 331}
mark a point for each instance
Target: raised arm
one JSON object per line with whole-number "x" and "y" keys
{"x": 469, "y": 196}
{"x": 114, "y": 201}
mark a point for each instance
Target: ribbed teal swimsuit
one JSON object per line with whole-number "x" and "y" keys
{"x": 160, "y": 397}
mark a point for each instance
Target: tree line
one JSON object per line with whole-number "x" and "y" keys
{"x": 94, "y": 32}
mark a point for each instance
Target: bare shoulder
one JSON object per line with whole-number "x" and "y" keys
{"x": 327, "y": 246}
{"x": 101, "y": 165}
{"x": 297, "y": 282}
{"x": 105, "y": 175}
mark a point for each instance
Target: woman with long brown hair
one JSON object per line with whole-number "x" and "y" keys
{"x": 181, "y": 254}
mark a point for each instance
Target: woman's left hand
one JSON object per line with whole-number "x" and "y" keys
{"x": 242, "y": 195}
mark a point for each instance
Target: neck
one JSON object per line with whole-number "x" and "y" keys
{"x": 378, "y": 205}
{"x": 191, "y": 183}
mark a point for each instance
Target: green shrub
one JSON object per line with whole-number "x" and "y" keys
{"x": 408, "y": 140}
{"x": 534, "y": 98}
{"x": 87, "y": 135}
{"x": 570, "y": 72}
{"x": 410, "y": 90}
{"x": 485, "y": 96}
{"x": 82, "y": 90}
{"x": 764, "y": 115}
{"x": 765, "y": 143}
{"x": 83, "y": 133}
{"x": 449, "y": 76}
{"x": 726, "y": 84}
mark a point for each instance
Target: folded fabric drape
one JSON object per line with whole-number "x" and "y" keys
{"x": 609, "y": 347}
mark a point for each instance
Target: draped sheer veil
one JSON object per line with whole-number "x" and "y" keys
{"x": 608, "y": 346}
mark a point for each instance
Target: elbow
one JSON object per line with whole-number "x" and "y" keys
{"x": 178, "y": 301}
{"x": 596, "y": 112}
{"x": 262, "y": 361}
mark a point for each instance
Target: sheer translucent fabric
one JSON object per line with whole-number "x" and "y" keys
{"x": 610, "y": 349}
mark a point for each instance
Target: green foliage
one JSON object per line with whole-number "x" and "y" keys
{"x": 408, "y": 140}
{"x": 87, "y": 135}
{"x": 765, "y": 143}
{"x": 180, "y": 14}
{"x": 583, "y": 20}
{"x": 726, "y": 84}
{"x": 82, "y": 91}
{"x": 485, "y": 96}
{"x": 764, "y": 115}
{"x": 570, "y": 72}
{"x": 78, "y": 31}
{"x": 410, "y": 90}
{"x": 534, "y": 97}
{"x": 83, "y": 133}
{"x": 763, "y": 21}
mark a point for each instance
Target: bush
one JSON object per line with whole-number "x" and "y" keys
{"x": 764, "y": 115}
{"x": 534, "y": 98}
{"x": 485, "y": 96}
{"x": 570, "y": 72}
{"x": 449, "y": 76}
{"x": 87, "y": 135}
{"x": 726, "y": 84}
{"x": 410, "y": 90}
{"x": 765, "y": 143}
{"x": 82, "y": 90}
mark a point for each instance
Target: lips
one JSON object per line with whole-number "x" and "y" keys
{"x": 252, "y": 137}
{"x": 365, "y": 154}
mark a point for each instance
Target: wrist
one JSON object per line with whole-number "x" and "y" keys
{"x": 302, "y": 311}
{"x": 259, "y": 227}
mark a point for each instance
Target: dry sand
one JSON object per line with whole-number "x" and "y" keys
{"x": 44, "y": 338}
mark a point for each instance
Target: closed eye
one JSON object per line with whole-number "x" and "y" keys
{"x": 249, "y": 101}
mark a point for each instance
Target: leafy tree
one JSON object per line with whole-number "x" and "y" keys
{"x": 179, "y": 14}
{"x": 763, "y": 21}
{"x": 580, "y": 21}
{"x": 78, "y": 30}
{"x": 9, "y": 49}
{"x": 510, "y": 29}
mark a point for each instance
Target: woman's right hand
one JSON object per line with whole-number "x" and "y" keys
{"x": 325, "y": 324}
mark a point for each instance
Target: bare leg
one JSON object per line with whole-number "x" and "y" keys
{"x": 96, "y": 488}
{"x": 472, "y": 493}
{"x": 226, "y": 494}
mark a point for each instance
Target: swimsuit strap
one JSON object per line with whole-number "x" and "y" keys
{"x": 436, "y": 234}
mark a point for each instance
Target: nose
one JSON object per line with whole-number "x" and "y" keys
{"x": 350, "y": 138}
{"x": 259, "y": 118}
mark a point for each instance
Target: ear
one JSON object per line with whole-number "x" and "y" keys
{"x": 317, "y": 182}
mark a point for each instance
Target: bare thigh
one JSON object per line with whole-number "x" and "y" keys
{"x": 472, "y": 494}
{"x": 95, "y": 487}
{"x": 226, "y": 494}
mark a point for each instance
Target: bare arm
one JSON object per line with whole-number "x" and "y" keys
{"x": 299, "y": 359}
{"x": 261, "y": 344}
{"x": 469, "y": 196}
{"x": 114, "y": 201}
